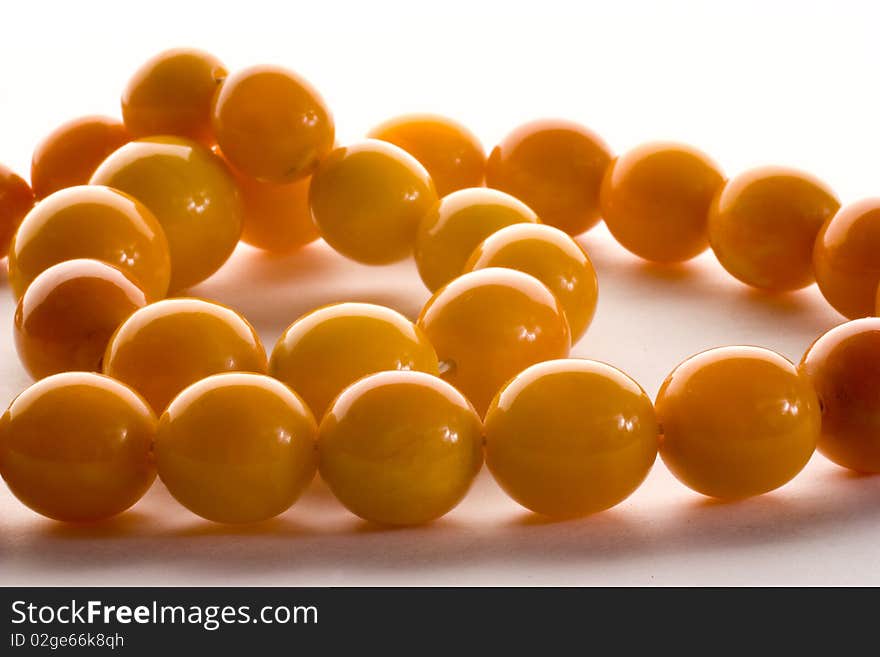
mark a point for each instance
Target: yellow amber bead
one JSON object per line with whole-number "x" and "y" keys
{"x": 556, "y": 168}
{"x": 655, "y": 200}
{"x": 570, "y": 437}
{"x": 77, "y": 447}
{"x": 737, "y": 421}
{"x": 236, "y": 448}
{"x": 551, "y": 256}
{"x": 451, "y": 153}
{"x": 166, "y": 346}
{"x": 191, "y": 193}
{"x": 763, "y": 223}
{"x": 453, "y": 228}
{"x": 67, "y": 315}
{"x": 328, "y": 349}
{"x": 367, "y": 200}
{"x": 96, "y": 222}
{"x": 844, "y": 367}
{"x": 489, "y": 325}
{"x": 400, "y": 448}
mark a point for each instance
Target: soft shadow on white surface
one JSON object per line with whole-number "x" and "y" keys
{"x": 821, "y": 528}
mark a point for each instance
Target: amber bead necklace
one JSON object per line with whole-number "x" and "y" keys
{"x": 398, "y": 416}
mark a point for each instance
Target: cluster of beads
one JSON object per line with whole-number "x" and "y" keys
{"x": 398, "y": 416}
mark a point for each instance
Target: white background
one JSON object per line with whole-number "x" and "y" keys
{"x": 791, "y": 83}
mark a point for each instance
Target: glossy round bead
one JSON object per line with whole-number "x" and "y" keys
{"x": 456, "y": 224}
{"x": 570, "y": 437}
{"x": 737, "y": 421}
{"x": 76, "y": 447}
{"x": 328, "y": 349}
{"x": 236, "y": 448}
{"x": 171, "y": 94}
{"x": 276, "y": 217}
{"x": 16, "y": 200}
{"x": 845, "y": 258}
{"x": 763, "y": 223}
{"x": 166, "y": 346}
{"x": 655, "y": 200}
{"x": 551, "y": 256}
{"x": 451, "y": 153}
{"x": 191, "y": 193}
{"x": 272, "y": 124}
{"x": 97, "y": 222}
{"x": 69, "y": 155}
{"x": 844, "y": 367}
{"x": 400, "y": 448}
{"x": 556, "y": 168}
{"x": 67, "y": 315}
{"x": 489, "y": 325}
{"x": 367, "y": 200}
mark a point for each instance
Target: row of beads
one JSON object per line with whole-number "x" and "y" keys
{"x": 377, "y": 201}
{"x": 564, "y": 437}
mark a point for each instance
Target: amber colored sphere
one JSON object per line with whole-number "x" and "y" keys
{"x": 737, "y": 421}
{"x": 763, "y": 224}
{"x": 271, "y": 124}
{"x": 554, "y": 258}
{"x": 400, "y": 448}
{"x": 367, "y": 200}
{"x": 845, "y": 258}
{"x": 844, "y": 367}
{"x": 570, "y": 437}
{"x": 326, "y": 350}
{"x": 171, "y": 94}
{"x": 276, "y": 217}
{"x": 166, "y": 346}
{"x": 192, "y": 194}
{"x": 77, "y": 447}
{"x": 451, "y": 153}
{"x": 655, "y": 200}
{"x": 67, "y": 315}
{"x": 16, "y": 200}
{"x": 488, "y": 325}
{"x": 69, "y": 155}
{"x": 96, "y": 222}
{"x": 456, "y": 224}
{"x": 237, "y": 448}
{"x": 556, "y": 168}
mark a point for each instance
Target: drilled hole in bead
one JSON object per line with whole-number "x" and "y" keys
{"x": 447, "y": 367}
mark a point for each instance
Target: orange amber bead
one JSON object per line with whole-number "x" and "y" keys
{"x": 77, "y": 447}
{"x": 453, "y": 228}
{"x": 845, "y": 258}
{"x": 171, "y": 94}
{"x": 236, "y": 448}
{"x": 276, "y": 217}
{"x": 570, "y": 437}
{"x": 91, "y": 221}
{"x": 763, "y": 224}
{"x": 451, "y": 153}
{"x": 489, "y": 325}
{"x": 551, "y": 256}
{"x": 16, "y": 200}
{"x": 192, "y": 194}
{"x": 737, "y": 421}
{"x": 655, "y": 200}
{"x": 844, "y": 367}
{"x": 328, "y": 349}
{"x": 67, "y": 315}
{"x": 166, "y": 346}
{"x": 367, "y": 200}
{"x": 69, "y": 155}
{"x": 400, "y": 448}
{"x": 271, "y": 124}
{"x": 556, "y": 168}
